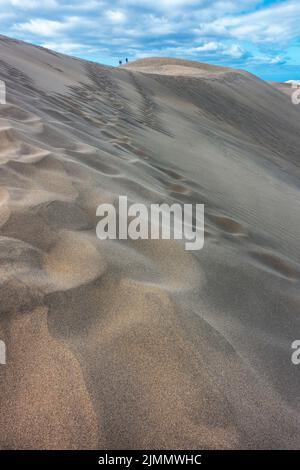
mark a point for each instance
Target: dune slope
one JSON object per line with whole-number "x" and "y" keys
{"x": 141, "y": 344}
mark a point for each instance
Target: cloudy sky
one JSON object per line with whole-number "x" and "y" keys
{"x": 262, "y": 36}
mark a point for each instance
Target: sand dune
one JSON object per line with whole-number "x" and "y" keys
{"x": 177, "y": 67}
{"x": 141, "y": 344}
{"x": 283, "y": 87}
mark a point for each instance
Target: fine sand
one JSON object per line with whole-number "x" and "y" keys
{"x": 141, "y": 344}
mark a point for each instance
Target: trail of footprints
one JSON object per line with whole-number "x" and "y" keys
{"x": 120, "y": 115}
{"x": 112, "y": 117}
{"x": 118, "y": 111}
{"x": 149, "y": 109}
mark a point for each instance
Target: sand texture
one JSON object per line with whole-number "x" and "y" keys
{"x": 141, "y": 344}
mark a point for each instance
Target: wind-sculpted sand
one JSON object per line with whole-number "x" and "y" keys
{"x": 141, "y": 344}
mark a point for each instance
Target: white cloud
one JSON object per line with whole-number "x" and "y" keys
{"x": 269, "y": 60}
{"x": 116, "y": 16}
{"x": 211, "y": 46}
{"x": 158, "y": 5}
{"x": 233, "y": 32}
{"x": 41, "y": 27}
{"x": 31, "y": 4}
{"x": 69, "y": 47}
{"x": 234, "y": 51}
{"x": 49, "y": 28}
{"x": 276, "y": 23}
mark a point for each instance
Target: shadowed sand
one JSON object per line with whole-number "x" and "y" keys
{"x": 140, "y": 344}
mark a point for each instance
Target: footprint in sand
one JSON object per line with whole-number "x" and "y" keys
{"x": 72, "y": 262}
{"x": 228, "y": 225}
{"x": 122, "y": 140}
{"x": 109, "y": 135}
{"x": 16, "y": 113}
{"x": 169, "y": 172}
{"x": 276, "y": 265}
{"x": 13, "y": 148}
{"x": 178, "y": 189}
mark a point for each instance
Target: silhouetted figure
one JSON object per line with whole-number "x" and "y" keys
{"x": 120, "y": 62}
{"x": 126, "y": 60}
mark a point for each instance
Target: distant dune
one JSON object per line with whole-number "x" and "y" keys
{"x": 165, "y": 66}
{"x": 284, "y": 87}
{"x": 141, "y": 344}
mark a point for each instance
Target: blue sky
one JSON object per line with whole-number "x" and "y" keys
{"x": 262, "y": 36}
